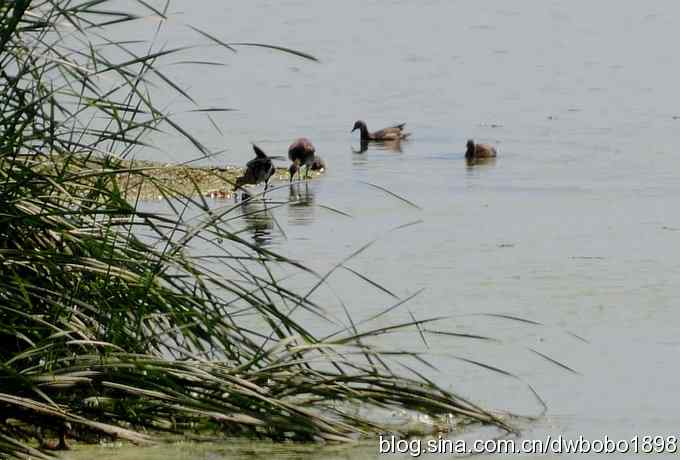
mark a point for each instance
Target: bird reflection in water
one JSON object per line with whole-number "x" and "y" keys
{"x": 259, "y": 221}
{"x": 388, "y": 146}
{"x": 473, "y": 163}
{"x": 300, "y": 204}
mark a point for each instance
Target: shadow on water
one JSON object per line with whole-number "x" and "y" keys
{"x": 301, "y": 209}
{"x": 259, "y": 214}
{"x": 473, "y": 164}
{"x": 358, "y": 157}
{"x": 259, "y": 221}
{"x": 386, "y": 146}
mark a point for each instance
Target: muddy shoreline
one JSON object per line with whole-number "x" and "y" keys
{"x": 159, "y": 179}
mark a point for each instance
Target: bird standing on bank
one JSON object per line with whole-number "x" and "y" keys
{"x": 393, "y": 133}
{"x": 301, "y": 153}
{"x": 259, "y": 169}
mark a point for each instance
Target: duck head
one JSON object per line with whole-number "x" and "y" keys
{"x": 360, "y": 125}
{"x": 318, "y": 164}
{"x": 470, "y": 152}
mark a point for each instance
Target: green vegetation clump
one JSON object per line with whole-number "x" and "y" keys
{"x": 109, "y": 326}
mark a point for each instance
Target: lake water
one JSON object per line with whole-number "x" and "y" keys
{"x": 574, "y": 226}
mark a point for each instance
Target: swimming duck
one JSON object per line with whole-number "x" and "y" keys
{"x": 301, "y": 153}
{"x": 479, "y": 150}
{"x": 393, "y": 133}
{"x": 259, "y": 169}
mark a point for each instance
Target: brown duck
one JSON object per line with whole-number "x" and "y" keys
{"x": 259, "y": 169}
{"x": 301, "y": 153}
{"x": 475, "y": 151}
{"x": 393, "y": 133}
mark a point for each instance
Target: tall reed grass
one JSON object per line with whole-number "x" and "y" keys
{"x": 108, "y": 323}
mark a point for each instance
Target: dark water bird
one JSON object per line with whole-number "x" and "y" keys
{"x": 259, "y": 169}
{"x": 301, "y": 153}
{"x": 393, "y": 133}
{"x": 475, "y": 151}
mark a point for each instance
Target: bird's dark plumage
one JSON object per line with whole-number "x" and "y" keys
{"x": 259, "y": 169}
{"x": 393, "y": 133}
{"x": 300, "y": 153}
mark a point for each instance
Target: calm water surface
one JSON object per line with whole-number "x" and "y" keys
{"x": 574, "y": 226}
